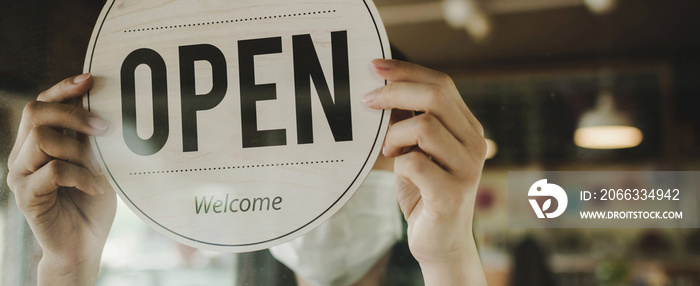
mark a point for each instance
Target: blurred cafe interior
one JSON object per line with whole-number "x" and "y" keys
{"x": 542, "y": 76}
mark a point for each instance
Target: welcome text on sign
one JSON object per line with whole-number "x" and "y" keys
{"x": 202, "y": 205}
{"x": 306, "y": 68}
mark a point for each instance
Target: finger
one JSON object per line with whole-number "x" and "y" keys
{"x": 55, "y": 174}
{"x": 44, "y": 144}
{"x": 431, "y": 180}
{"x": 64, "y": 116}
{"x": 398, "y": 115}
{"x": 400, "y": 71}
{"x": 395, "y": 70}
{"x": 67, "y": 89}
{"x": 426, "y": 132}
{"x": 429, "y": 98}
{"x": 60, "y": 116}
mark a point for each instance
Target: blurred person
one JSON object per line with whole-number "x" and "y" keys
{"x": 438, "y": 155}
{"x": 438, "y": 159}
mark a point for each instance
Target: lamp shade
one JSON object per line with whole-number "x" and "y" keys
{"x": 604, "y": 127}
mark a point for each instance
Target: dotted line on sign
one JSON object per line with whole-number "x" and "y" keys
{"x": 230, "y": 21}
{"x": 235, "y": 167}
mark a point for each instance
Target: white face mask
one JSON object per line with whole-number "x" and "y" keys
{"x": 343, "y": 249}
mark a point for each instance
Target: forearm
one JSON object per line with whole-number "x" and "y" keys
{"x": 56, "y": 272}
{"x": 463, "y": 269}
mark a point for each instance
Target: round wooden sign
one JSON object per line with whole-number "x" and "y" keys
{"x": 236, "y": 125}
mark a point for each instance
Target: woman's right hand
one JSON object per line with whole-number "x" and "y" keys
{"x": 58, "y": 184}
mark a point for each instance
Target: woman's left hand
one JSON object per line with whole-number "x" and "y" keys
{"x": 439, "y": 156}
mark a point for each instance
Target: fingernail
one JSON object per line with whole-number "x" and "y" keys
{"x": 384, "y": 150}
{"x": 81, "y": 78}
{"x": 382, "y": 64}
{"x": 99, "y": 190}
{"x": 371, "y": 96}
{"x": 97, "y": 123}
